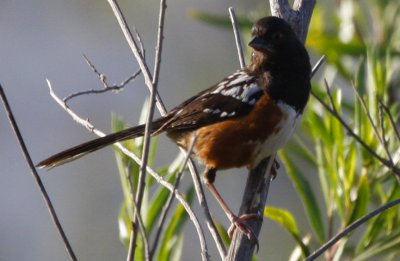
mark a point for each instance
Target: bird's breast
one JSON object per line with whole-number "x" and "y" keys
{"x": 279, "y": 137}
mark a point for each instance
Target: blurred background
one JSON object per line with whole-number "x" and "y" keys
{"x": 46, "y": 39}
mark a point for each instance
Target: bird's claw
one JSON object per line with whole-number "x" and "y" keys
{"x": 239, "y": 222}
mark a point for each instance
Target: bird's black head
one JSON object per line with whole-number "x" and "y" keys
{"x": 275, "y": 43}
{"x": 281, "y": 62}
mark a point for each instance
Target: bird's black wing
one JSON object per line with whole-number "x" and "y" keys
{"x": 233, "y": 97}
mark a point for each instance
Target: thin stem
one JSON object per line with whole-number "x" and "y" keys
{"x": 170, "y": 199}
{"x": 149, "y": 121}
{"x": 103, "y": 80}
{"x": 135, "y": 50}
{"x": 328, "y": 92}
{"x": 392, "y": 121}
{"x": 350, "y": 228}
{"x": 317, "y": 65}
{"x": 383, "y": 133}
{"x": 371, "y": 121}
{"x": 238, "y": 41}
{"x": 140, "y": 221}
{"x": 128, "y": 153}
{"x": 161, "y": 108}
{"x": 160, "y": 39}
{"x": 36, "y": 176}
{"x": 153, "y": 100}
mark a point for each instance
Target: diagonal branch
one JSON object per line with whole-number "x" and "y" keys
{"x": 350, "y": 228}
{"x": 236, "y": 33}
{"x": 36, "y": 176}
{"x": 170, "y": 199}
{"x": 140, "y": 222}
{"x": 373, "y": 125}
{"x": 128, "y": 153}
{"x": 195, "y": 175}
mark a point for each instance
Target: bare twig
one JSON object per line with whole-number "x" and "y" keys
{"x": 371, "y": 121}
{"x": 392, "y": 121}
{"x": 204, "y": 205}
{"x": 153, "y": 100}
{"x": 135, "y": 50}
{"x": 139, "y": 219}
{"x": 160, "y": 39}
{"x": 350, "y": 228}
{"x": 149, "y": 120}
{"x": 103, "y": 79}
{"x": 383, "y": 134}
{"x": 317, "y": 65}
{"x": 161, "y": 108}
{"x": 139, "y": 39}
{"x": 36, "y": 176}
{"x": 170, "y": 199}
{"x": 128, "y": 153}
{"x": 331, "y": 101}
{"x": 236, "y": 32}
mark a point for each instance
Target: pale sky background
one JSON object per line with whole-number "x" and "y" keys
{"x": 46, "y": 39}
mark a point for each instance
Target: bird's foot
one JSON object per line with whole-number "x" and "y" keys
{"x": 239, "y": 222}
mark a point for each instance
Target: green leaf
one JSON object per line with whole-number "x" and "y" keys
{"x": 124, "y": 224}
{"x": 307, "y": 196}
{"x": 360, "y": 205}
{"x": 283, "y": 217}
{"x": 287, "y": 221}
{"x": 379, "y": 224}
{"x": 301, "y": 150}
{"x": 173, "y": 231}
{"x": 222, "y": 231}
{"x": 156, "y": 204}
{"x": 384, "y": 246}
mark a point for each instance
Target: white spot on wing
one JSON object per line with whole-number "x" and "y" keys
{"x": 249, "y": 91}
{"x": 216, "y": 111}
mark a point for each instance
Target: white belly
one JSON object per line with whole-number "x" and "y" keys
{"x": 278, "y": 139}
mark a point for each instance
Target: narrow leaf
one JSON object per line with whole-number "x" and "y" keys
{"x": 307, "y": 196}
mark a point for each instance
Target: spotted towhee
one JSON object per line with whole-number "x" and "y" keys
{"x": 239, "y": 121}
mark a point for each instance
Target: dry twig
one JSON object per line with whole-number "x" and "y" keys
{"x": 161, "y": 108}
{"x": 238, "y": 40}
{"x": 128, "y": 153}
{"x": 36, "y": 176}
{"x": 170, "y": 199}
{"x": 350, "y": 228}
{"x": 103, "y": 79}
{"x": 140, "y": 223}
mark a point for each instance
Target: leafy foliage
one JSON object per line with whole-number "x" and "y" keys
{"x": 361, "y": 66}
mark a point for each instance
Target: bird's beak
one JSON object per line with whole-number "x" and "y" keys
{"x": 259, "y": 43}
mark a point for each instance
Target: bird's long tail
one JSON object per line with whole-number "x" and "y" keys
{"x": 93, "y": 145}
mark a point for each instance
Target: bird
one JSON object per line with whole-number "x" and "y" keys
{"x": 241, "y": 120}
